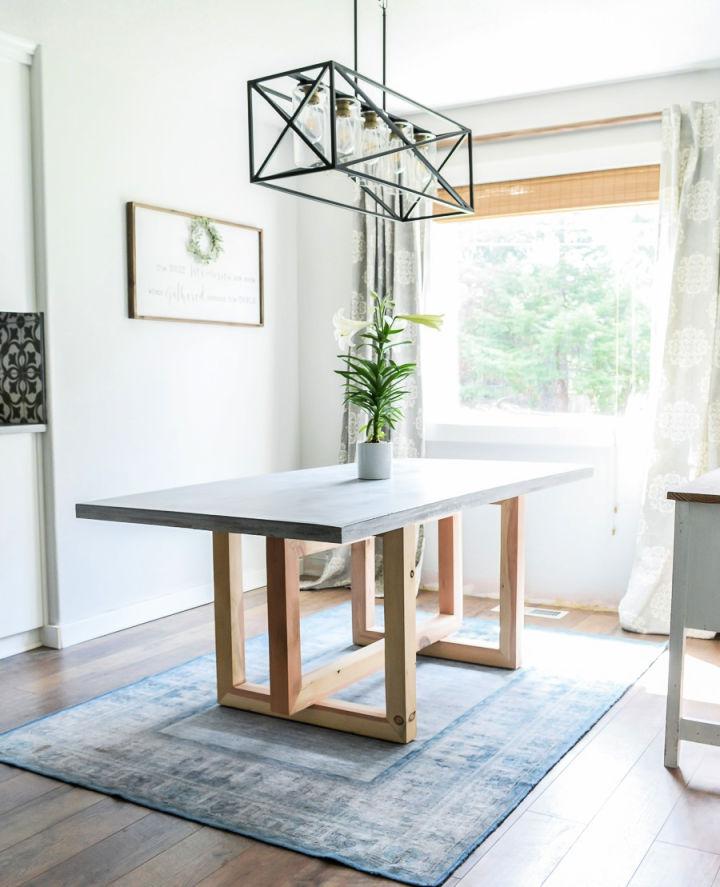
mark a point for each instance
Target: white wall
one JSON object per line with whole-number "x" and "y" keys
{"x": 21, "y": 575}
{"x": 324, "y": 285}
{"x": 146, "y": 101}
{"x": 462, "y": 51}
{"x": 573, "y": 554}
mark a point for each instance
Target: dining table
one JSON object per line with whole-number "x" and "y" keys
{"x": 303, "y": 512}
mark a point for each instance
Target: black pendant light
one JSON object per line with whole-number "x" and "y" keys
{"x": 324, "y": 132}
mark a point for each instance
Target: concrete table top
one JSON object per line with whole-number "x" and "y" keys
{"x": 330, "y": 504}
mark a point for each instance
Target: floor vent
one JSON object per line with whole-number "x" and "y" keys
{"x": 540, "y": 612}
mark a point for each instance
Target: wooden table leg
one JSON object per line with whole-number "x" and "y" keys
{"x": 512, "y": 580}
{"x": 229, "y": 611}
{"x": 450, "y": 566}
{"x": 512, "y": 592}
{"x": 400, "y": 641}
{"x": 362, "y": 590}
{"x": 290, "y": 694}
{"x": 283, "y": 603}
{"x": 308, "y": 697}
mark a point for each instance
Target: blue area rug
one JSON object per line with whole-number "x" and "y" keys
{"x": 411, "y": 813}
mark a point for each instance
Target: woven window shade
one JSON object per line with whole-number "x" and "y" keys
{"x": 582, "y": 190}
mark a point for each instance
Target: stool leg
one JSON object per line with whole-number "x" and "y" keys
{"x": 674, "y": 700}
{"x": 677, "y": 634}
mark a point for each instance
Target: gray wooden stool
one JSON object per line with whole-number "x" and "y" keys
{"x": 695, "y": 598}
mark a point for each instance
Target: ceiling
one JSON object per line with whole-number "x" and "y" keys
{"x": 455, "y": 52}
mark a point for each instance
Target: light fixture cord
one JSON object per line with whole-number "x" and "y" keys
{"x": 355, "y": 39}
{"x": 383, "y": 6}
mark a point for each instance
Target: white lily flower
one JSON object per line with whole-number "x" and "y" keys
{"x": 345, "y": 329}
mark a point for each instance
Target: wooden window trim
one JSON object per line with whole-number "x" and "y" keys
{"x": 581, "y": 190}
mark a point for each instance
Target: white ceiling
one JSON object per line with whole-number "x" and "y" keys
{"x": 454, "y": 52}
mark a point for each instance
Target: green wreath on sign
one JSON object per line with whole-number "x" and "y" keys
{"x": 204, "y": 240}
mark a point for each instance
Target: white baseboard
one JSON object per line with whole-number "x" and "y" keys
{"x": 19, "y": 643}
{"x": 67, "y": 634}
{"x": 255, "y": 577}
{"x": 50, "y": 636}
{"x": 471, "y": 589}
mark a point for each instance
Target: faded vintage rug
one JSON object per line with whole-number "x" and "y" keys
{"x": 411, "y": 813}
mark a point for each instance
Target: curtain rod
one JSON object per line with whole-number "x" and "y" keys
{"x": 649, "y": 117}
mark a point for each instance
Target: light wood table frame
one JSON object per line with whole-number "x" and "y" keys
{"x": 311, "y": 510}
{"x": 307, "y": 697}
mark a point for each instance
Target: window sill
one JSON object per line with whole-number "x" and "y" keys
{"x": 597, "y": 432}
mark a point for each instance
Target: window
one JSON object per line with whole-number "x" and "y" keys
{"x": 547, "y": 294}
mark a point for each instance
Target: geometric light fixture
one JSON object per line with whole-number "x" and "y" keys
{"x": 324, "y": 132}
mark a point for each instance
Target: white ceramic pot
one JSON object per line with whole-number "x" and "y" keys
{"x": 374, "y": 460}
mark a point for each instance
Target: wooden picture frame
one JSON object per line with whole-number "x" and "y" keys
{"x": 168, "y": 282}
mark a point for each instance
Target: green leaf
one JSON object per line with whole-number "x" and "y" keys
{"x": 434, "y": 321}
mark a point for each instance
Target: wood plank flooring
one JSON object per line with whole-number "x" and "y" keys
{"x": 607, "y": 815}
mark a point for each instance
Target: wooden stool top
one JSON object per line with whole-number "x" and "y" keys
{"x": 705, "y": 488}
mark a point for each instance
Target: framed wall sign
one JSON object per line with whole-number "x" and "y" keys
{"x": 189, "y": 267}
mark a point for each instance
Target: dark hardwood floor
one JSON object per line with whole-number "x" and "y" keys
{"x": 607, "y": 814}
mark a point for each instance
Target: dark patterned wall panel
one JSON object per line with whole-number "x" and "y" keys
{"x": 22, "y": 369}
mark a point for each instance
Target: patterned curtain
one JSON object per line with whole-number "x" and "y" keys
{"x": 388, "y": 258}
{"x": 687, "y": 418}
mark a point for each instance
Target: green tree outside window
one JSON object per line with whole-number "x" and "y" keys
{"x": 555, "y": 314}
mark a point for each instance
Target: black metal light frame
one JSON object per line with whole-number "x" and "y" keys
{"x": 350, "y": 81}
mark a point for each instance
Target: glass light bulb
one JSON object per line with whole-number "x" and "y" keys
{"x": 395, "y": 165}
{"x": 312, "y": 121}
{"x": 419, "y": 173}
{"x": 374, "y": 137}
{"x": 345, "y": 136}
{"x": 347, "y": 127}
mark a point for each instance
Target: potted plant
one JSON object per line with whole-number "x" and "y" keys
{"x": 373, "y": 380}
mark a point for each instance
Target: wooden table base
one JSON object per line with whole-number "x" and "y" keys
{"x": 308, "y": 697}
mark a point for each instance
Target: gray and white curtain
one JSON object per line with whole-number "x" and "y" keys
{"x": 387, "y": 258}
{"x": 687, "y": 372}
